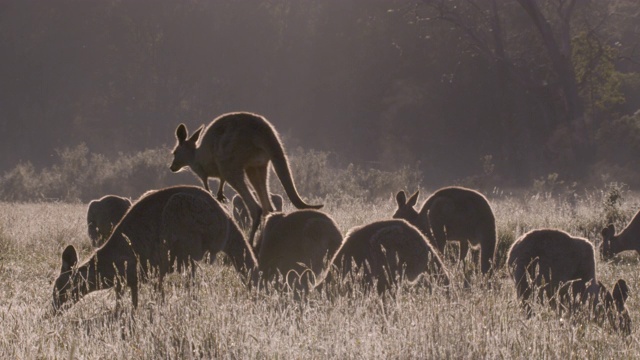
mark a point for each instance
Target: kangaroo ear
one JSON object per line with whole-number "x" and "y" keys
{"x": 196, "y": 134}
{"x": 413, "y": 199}
{"x": 181, "y": 133}
{"x": 69, "y": 258}
{"x": 608, "y": 232}
{"x": 401, "y": 198}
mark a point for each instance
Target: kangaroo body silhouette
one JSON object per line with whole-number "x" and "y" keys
{"x": 235, "y": 147}
{"x": 386, "y": 251}
{"x": 563, "y": 268}
{"x": 627, "y": 239}
{"x": 175, "y": 225}
{"x": 454, "y": 214}
{"x": 297, "y": 246}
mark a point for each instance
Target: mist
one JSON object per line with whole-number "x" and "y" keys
{"x": 377, "y": 83}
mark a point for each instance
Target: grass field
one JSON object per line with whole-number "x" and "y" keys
{"x": 219, "y": 318}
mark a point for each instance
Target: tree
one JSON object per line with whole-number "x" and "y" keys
{"x": 551, "y": 80}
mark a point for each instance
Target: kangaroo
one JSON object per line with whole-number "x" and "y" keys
{"x": 175, "y": 225}
{"x": 241, "y": 215}
{"x": 566, "y": 274}
{"x": 239, "y": 252}
{"x": 103, "y": 214}
{"x": 292, "y": 245}
{"x": 233, "y": 146}
{"x": 627, "y": 239}
{"x": 454, "y": 214}
{"x": 391, "y": 250}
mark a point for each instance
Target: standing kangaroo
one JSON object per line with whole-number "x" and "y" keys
{"x": 234, "y": 147}
{"x": 174, "y": 225}
{"x": 627, "y": 239}
{"x": 454, "y": 214}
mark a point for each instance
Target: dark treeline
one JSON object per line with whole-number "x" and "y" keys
{"x": 513, "y": 89}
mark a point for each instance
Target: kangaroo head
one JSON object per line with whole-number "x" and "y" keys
{"x": 64, "y": 289}
{"x": 620, "y": 294}
{"x": 608, "y": 242}
{"x": 612, "y": 306}
{"x": 185, "y": 149}
{"x": 406, "y": 208}
{"x": 73, "y": 281}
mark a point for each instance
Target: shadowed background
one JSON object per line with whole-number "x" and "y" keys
{"x": 460, "y": 91}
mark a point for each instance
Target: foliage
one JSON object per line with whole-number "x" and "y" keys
{"x": 619, "y": 149}
{"x": 594, "y": 64}
{"x": 315, "y": 174}
{"x": 81, "y": 176}
{"x": 487, "y": 180}
{"x": 406, "y": 88}
{"x": 553, "y": 186}
{"x": 612, "y": 203}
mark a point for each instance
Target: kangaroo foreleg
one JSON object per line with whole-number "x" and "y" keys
{"x": 464, "y": 249}
{"x": 220, "y": 194}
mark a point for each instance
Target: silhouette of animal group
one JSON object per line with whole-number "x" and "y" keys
{"x": 171, "y": 229}
{"x": 236, "y": 147}
{"x": 164, "y": 228}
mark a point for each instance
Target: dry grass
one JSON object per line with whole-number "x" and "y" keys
{"x": 219, "y": 318}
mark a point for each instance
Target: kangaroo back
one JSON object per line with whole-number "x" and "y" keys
{"x": 460, "y": 214}
{"x": 296, "y": 246}
{"x": 386, "y": 249}
{"x": 103, "y": 215}
{"x": 564, "y": 262}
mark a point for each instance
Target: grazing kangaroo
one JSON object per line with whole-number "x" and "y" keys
{"x": 103, "y": 214}
{"x": 176, "y": 225}
{"x": 627, "y": 239}
{"x": 566, "y": 274}
{"x": 292, "y": 245}
{"x": 239, "y": 252}
{"x": 232, "y": 147}
{"x": 454, "y": 214}
{"x": 241, "y": 215}
{"x": 386, "y": 251}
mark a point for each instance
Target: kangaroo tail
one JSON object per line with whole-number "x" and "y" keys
{"x": 281, "y": 167}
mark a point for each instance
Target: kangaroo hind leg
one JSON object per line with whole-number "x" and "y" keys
{"x": 258, "y": 177}
{"x": 235, "y": 177}
{"x": 439, "y": 233}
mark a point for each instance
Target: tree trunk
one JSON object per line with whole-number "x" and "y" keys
{"x": 560, "y": 55}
